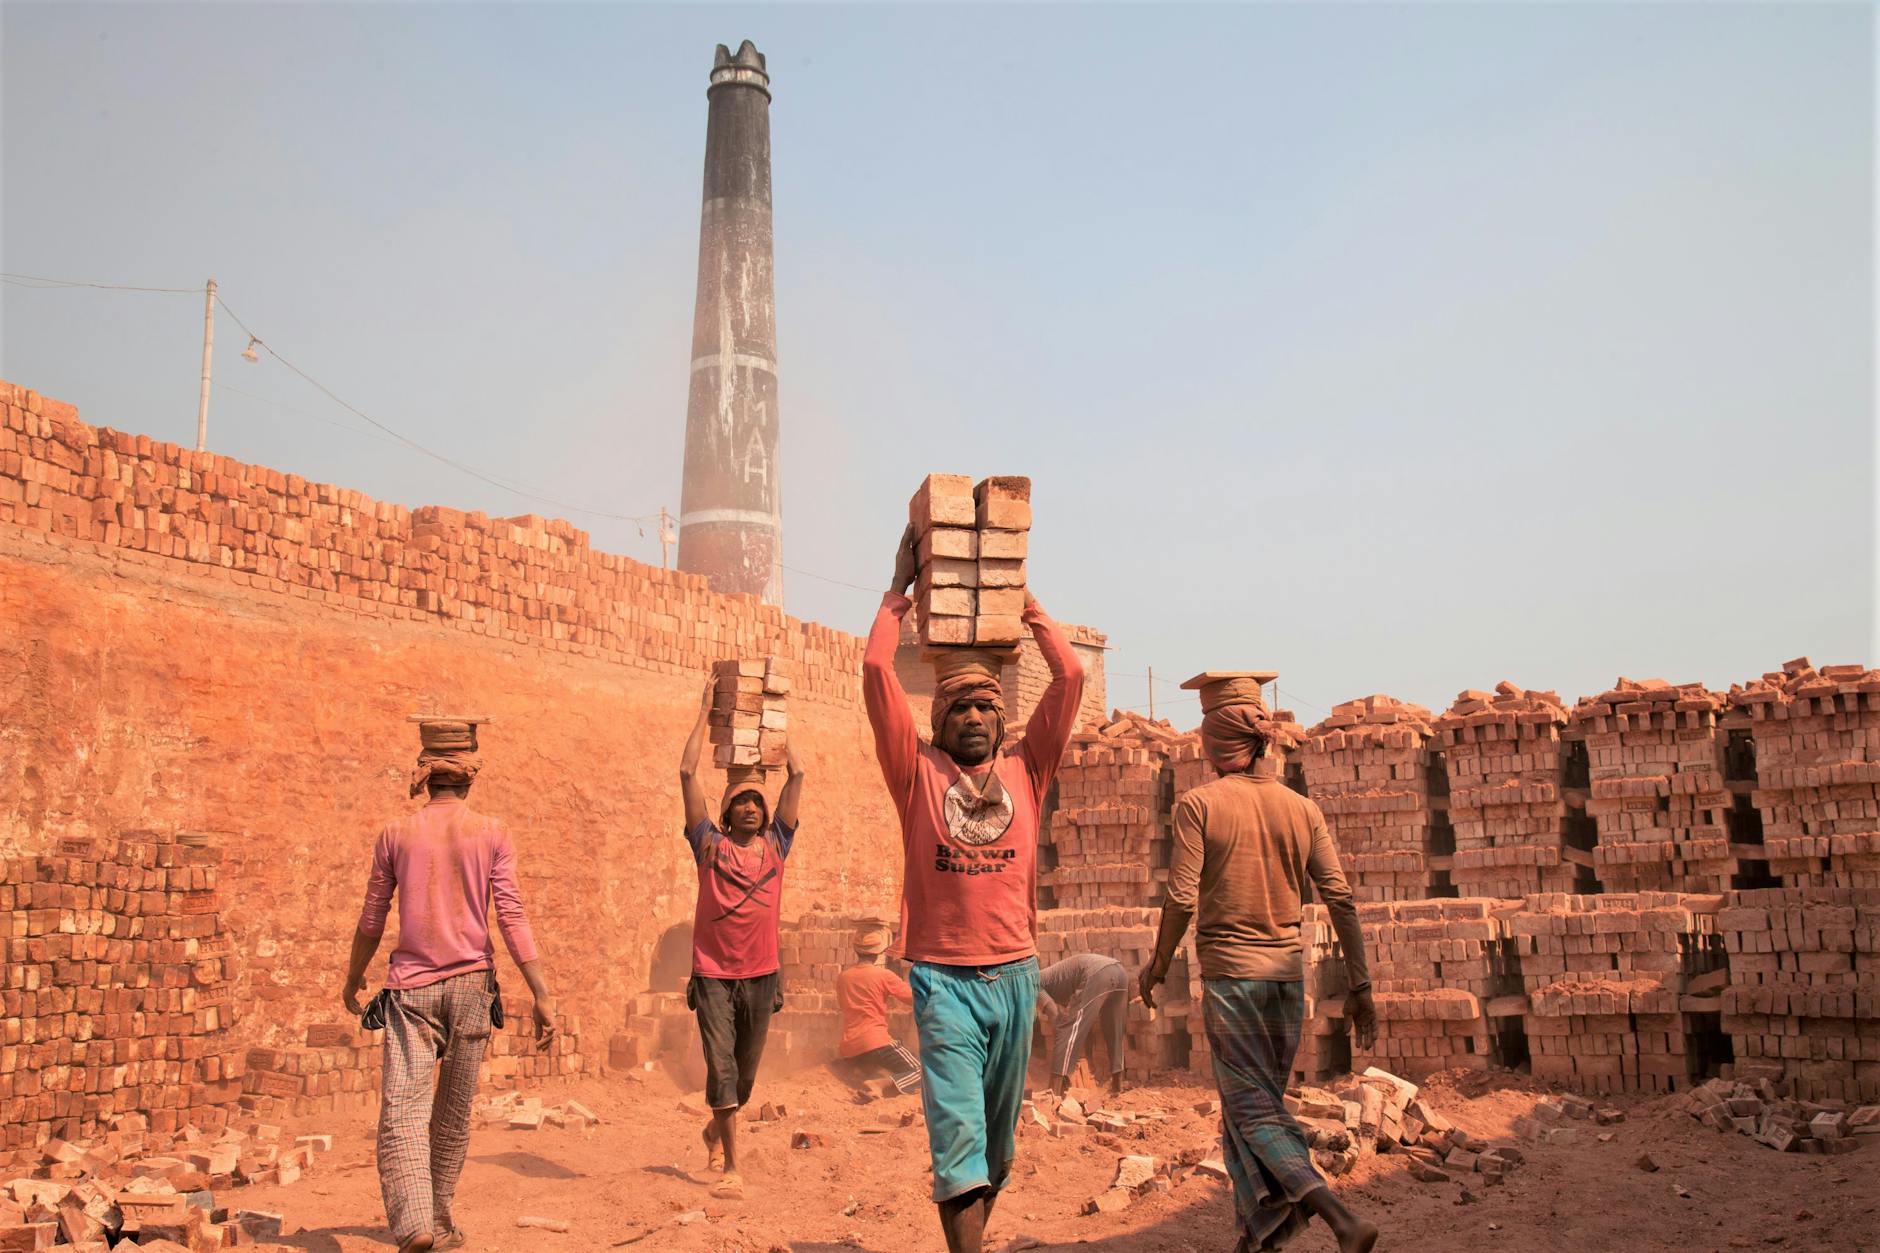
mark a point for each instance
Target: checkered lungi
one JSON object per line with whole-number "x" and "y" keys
{"x": 1253, "y": 1029}
{"x": 424, "y": 1129}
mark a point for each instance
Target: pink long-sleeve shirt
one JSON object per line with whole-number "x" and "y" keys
{"x": 448, "y": 864}
{"x": 966, "y": 899}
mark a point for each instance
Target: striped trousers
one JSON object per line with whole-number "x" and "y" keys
{"x": 424, "y": 1116}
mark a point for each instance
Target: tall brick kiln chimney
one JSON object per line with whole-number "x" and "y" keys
{"x": 730, "y": 525}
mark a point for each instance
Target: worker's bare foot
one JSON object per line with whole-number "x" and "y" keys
{"x": 1359, "y": 1238}
{"x": 730, "y": 1187}
{"x": 714, "y": 1151}
{"x": 420, "y": 1243}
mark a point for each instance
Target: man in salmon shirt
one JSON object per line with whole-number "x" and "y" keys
{"x": 868, "y": 1050}
{"x": 734, "y": 987}
{"x": 968, "y": 804}
{"x": 447, "y": 864}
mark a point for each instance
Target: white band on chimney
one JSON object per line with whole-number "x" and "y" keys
{"x": 749, "y": 361}
{"x": 747, "y": 517}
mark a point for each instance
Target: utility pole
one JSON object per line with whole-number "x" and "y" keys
{"x": 208, "y": 355}
{"x": 1152, "y": 693}
{"x": 665, "y": 535}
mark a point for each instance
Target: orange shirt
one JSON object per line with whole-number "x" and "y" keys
{"x": 863, "y": 992}
{"x": 969, "y": 885}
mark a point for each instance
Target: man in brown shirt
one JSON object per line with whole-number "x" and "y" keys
{"x": 1245, "y": 845}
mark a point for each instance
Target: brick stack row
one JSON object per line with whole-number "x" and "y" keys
{"x": 1110, "y": 838}
{"x": 1804, "y": 989}
{"x": 1367, "y": 767}
{"x": 1817, "y": 737}
{"x": 749, "y": 713}
{"x": 340, "y": 1065}
{"x": 523, "y": 579}
{"x": 1605, "y": 977}
{"x": 116, "y": 990}
{"x": 1435, "y": 965}
{"x": 972, "y": 539}
{"x": 1659, "y": 800}
{"x": 1507, "y": 764}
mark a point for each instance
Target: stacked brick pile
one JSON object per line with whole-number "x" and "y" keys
{"x": 339, "y": 1067}
{"x": 1506, "y": 765}
{"x": 1605, "y": 977}
{"x": 523, "y": 579}
{"x": 115, "y": 990}
{"x": 1110, "y": 834}
{"x": 1367, "y": 767}
{"x": 1435, "y": 966}
{"x": 1188, "y": 766}
{"x": 749, "y": 714}
{"x": 1662, "y": 808}
{"x": 971, "y": 585}
{"x": 1804, "y": 989}
{"x": 1817, "y": 736}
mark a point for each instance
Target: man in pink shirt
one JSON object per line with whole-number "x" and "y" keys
{"x": 969, "y": 804}
{"x": 735, "y": 987}
{"x": 447, "y": 864}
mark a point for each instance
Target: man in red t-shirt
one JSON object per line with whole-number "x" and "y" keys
{"x": 864, "y": 992}
{"x": 734, "y": 987}
{"x": 968, "y": 804}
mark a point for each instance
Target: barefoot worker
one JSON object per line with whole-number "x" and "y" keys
{"x": 1084, "y": 993}
{"x": 1245, "y": 845}
{"x": 734, "y": 987}
{"x": 864, "y": 993}
{"x": 447, "y": 864}
{"x": 968, "y": 805}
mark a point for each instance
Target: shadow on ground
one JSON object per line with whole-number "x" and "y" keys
{"x": 530, "y": 1166}
{"x": 325, "y": 1239}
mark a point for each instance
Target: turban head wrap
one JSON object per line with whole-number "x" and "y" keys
{"x": 1234, "y": 736}
{"x": 962, "y": 674}
{"x": 740, "y": 780}
{"x": 872, "y": 938}
{"x": 449, "y": 755}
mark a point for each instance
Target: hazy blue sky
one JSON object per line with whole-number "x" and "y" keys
{"x": 1397, "y": 348}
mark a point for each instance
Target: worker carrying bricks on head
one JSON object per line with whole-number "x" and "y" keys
{"x": 1245, "y": 844}
{"x": 968, "y": 804}
{"x": 447, "y": 864}
{"x": 1084, "y": 993}
{"x": 735, "y": 985}
{"x": 864, "y": 993}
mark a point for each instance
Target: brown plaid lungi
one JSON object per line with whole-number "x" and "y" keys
{"x": 424, "y": 1129}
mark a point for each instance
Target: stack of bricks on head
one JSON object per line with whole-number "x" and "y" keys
{"x": 972, "y": 541}
{"x": 749, "y": 718}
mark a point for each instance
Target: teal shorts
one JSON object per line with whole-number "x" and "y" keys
{"x": 975, "y": 1044}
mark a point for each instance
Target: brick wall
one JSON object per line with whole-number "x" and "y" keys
{"x": 524, "y": 579}
{"x": 224, "y": 656}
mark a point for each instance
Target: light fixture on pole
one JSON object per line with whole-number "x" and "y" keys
{"x": 249, "y": 353}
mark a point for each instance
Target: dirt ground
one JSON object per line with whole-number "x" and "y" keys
{"x": 637, "y": 1182}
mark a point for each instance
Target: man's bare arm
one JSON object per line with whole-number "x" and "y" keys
{"x": 689, "y": 786}
{"x": 363, "y": 948}
{"x": 544, "y": 1007}
{"x": 791, "y": 797}
{"x": 1168, "y": 938}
